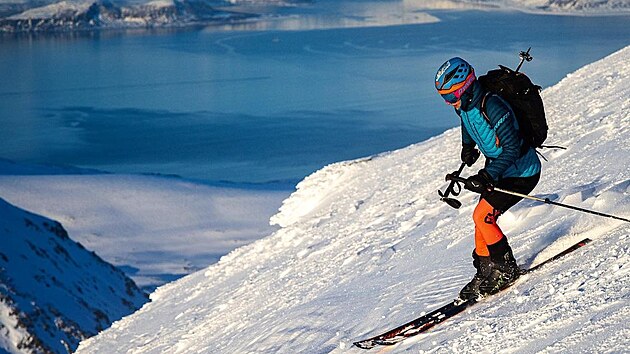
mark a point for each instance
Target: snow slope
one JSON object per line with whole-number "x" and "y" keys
{"x": 54, "y": 292}
{"x": 366, "y": 245}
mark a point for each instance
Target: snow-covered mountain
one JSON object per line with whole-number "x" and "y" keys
{"x": 81, "y": 14}
{"x": 53, "y": 292}
{"x": 568, "y": 7}
{"x": 71, "y": 15}
{"x": 580, "y": 6}
{"x": 584, "y": 7}
{"x": 366, "y": 245}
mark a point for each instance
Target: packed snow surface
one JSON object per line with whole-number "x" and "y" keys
{"x": 366, "y": 245}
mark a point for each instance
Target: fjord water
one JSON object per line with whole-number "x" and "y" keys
{"x": 254, "y": 106}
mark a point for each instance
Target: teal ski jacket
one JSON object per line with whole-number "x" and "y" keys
{"x": 498, "y": 139}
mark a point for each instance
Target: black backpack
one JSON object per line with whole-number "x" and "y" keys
{"x": 524, "y": 98}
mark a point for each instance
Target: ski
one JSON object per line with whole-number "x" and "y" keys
{"x": 425, "y": 322}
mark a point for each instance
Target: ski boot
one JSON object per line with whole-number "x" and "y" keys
{"x": 503, "y": 269}
{"x": 483, "y": 264}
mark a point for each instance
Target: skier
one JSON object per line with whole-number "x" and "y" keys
{"x": 510, "y": 164}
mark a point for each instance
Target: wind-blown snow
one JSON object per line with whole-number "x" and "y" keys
{"x": 366, "y": 245}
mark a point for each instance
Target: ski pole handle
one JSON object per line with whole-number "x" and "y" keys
{"x": 525, "y": 56}
{"x": 454, "y": 178}
{"x": 450, "y": 187}
{"x": 444, "y": 196}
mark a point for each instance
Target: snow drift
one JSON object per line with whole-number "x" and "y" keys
{"x": 366, "y": 245}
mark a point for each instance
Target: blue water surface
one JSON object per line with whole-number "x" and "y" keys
{"x": 255, "y": 106}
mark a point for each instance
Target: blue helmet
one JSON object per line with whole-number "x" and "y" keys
{"x": 453, "y": 78}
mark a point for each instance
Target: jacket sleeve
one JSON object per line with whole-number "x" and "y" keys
{"x": 506, "y": 130}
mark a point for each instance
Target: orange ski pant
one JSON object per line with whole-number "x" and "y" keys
{"x": 493, "y": 204}
{"x": 487, "y": 232}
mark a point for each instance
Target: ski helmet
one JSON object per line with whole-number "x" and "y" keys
{"x": 453, "y": 79}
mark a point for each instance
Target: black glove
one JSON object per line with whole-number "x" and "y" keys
{"x": 469, "y": 154}
{"x": 480, "y": 183}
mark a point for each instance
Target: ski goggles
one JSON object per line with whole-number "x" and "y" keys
{"x": 453, "y": 94}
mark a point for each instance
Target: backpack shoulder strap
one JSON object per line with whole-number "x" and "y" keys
{"x": 483, "y": 107}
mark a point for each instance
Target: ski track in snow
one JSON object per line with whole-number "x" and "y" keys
{"x": 366, "y": 245}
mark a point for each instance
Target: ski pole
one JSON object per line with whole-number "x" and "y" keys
{"x": 546, "y": 200}
{"x": 450, "y": 190}
{"x": 525, "y": 56}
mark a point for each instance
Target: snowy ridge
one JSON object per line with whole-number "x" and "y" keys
{"x": 72, "y": 15}
{"x": 53, "y": 292}
{"x": 103, "y": 14}
{"x": 581, "y": 7}
{"x": 62, "y": 8}
{"x": 366, "y": 245}
{"x": 567, "y": 7}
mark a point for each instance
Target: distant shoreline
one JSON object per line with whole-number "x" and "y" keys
{"x": 104, "y": 16}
